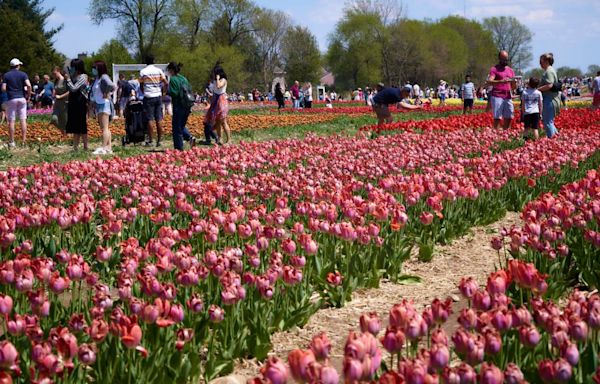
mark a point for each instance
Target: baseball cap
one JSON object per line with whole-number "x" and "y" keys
{"x": 14, "y": 62}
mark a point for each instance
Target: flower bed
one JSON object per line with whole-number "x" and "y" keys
{"x": 194, "y": 258}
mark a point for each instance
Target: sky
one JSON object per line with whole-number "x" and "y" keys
{"x": 568, "y": 28}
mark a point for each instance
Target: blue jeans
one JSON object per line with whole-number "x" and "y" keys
{"x": 180, "y": 131}
{"x": 548, "y": 117}
{"x": 296, "y": 103}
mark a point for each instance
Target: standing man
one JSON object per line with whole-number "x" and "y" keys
{"x": 45, "y": 95}
{"x": 18, "y": 87}
{"x": 467, "y": 93}
{"x": 153, "y": 84}
{"x": 596, "y": 91}
{"x": 501, "y": 79}
{"x": 385, "y": 97}
{"x": 295, "y": 93}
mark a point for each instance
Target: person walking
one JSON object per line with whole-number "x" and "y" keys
{"x": 295, "y": 94}
{"x": 182, "y": 101}
{"x": 501, "y": 78}
{"x": 279, "y": 96}
{"x": 102, "y": 89}
{"x": 77, "y": 84}
{"x": 596, "y": 91}
{"x": 442, "y": 92}
{"x": 151, "y": 79}
{"x": 3, "y": 101}
{"x": 60, "y": 95}
{"x": 216, "y": 115}
{"x": 308, "y": 97}
{"x": 551, "y": 91}
{"x": 467, "y": 94}
{"x": 385, "y": 97}
{"x": 18, "y": 88}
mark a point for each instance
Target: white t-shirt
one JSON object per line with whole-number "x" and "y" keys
{"x": 468, "y": 90}
{"x": 416, "y": 90}
{"x": 151, "y": 77}
{"x": 531, "y": 99}
{"x": 219, "y": 91}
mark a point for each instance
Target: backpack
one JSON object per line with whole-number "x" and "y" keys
{"x": 186, "y": 95}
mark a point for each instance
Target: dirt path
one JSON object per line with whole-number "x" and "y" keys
{"x": 470, "y": 255}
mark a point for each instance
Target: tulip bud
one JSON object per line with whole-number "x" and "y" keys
{"x": 490, "y": 374}
{"x": 513, "y": 374}
{"x": 562, "y": 371}
{"x": 393, "y": 340}
{"x": 275, "y": 371}
{"x": 439, "y": 356}
{"x": 370, "y": 323}
{"x": 570, "y": 353}
{"x": 321, "y": 346}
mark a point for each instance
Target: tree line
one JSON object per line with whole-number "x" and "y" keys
{"x": 373, "y": 41}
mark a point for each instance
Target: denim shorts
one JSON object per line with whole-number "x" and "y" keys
{"x": 103, "y": 108}
{"x": 502, "y": 108}
{"x": 153, "y": 108}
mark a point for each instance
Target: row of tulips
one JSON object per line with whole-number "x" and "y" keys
{"x": 40, "y": 131}
{"x": 208, "y": 255}
{"x": 560, "y": 234}
{"x": 498, "y": 339}
{"x": 363, "y": 109}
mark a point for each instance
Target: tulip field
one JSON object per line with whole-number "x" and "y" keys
{"x": 166, "y": 267}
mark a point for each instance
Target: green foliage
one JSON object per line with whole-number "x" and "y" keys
{"x": 592, "y": 70}
{"x": 22, "y": 27}
{"x": 512, "y": 36}
{"x": 535, "y": 72}
{"x": 301, "y": 56}
{"x": 568, "y": 72}
{"x": 113, "y": 52}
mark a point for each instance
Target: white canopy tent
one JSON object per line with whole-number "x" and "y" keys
{"x": 118, "y": 68}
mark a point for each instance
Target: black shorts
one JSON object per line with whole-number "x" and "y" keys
{"x": 468, "y": 103}
{"x": 153, "y": 108}
{"x": 531, "y": 121}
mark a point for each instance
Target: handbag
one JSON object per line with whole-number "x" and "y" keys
{"x": 557, "y": 86}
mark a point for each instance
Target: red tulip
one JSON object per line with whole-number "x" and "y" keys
{"x": 370, "y": 322}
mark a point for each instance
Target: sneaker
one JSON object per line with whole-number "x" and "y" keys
{"x": 12, "y": 144}
{"x": 99, "y": 151}
{"x": 108, "y": 151}
{"x": 158, "y": 144}
{"x": 148, "y": 144}
{"x": 192, "y": 142}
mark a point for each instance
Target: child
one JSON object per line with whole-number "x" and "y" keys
{"x": 531, "y": 108}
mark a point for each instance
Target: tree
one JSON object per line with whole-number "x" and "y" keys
{"x": 191, "y": 20}
{"x": 24, "y": 37}
{"x": 512, "y": 36}
{"x": 300, "y": 55}
{"x": 355, "y": 50}
{"x": 389, "y": 11}
{"x": 592, "y": 70}
{"x": 482, "y": 53}
{"x": 534, "y": 72}
{"x": 409, "y": 47}
{"x": 450, "y": 59}
{"x": 141, "y": 21}
{"x": 568, "y": 72}
{"x": 113, "y": 52}
{"x": 269, "y": 30}
{"x": 32, "y": 10}
{"x": 233, "y": 21}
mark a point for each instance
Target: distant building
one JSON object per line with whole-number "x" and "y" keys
{"x": 327, "y": 78}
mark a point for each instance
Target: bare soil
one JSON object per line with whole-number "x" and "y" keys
{"x": 470, "y": 255}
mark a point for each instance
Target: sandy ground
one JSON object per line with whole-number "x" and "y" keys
{"x": 470, "y": 255}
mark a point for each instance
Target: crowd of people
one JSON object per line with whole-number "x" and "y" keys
{"x": 74, "y": 96}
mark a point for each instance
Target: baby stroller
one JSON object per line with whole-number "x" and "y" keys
{"x": 135, "y": 124}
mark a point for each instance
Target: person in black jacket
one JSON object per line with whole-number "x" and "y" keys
{"x": 279, "y": 96}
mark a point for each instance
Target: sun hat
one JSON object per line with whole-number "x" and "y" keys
{"x": 14, "y": 62}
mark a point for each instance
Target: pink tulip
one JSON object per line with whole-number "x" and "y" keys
{"x": 513, "y": 374}
{"x": 8, "y": 355}
{"x": 370, "y": 322}
{"x": 490, "y": 374}
{"x": 529, "y": 336}
{"x": 562, "y": 371}
{"x": 216, "y": 314}
{"x": 275, "y": 371}
{"x": 570, "y": 353}
{"x": 320, "y": 346}
{"x": 6, "y": 304}
{"x": 439, "y": 356}
{"x": 468, "y": 287}
{"x": 299, "y": 361}
{"x": 87, "y": 354}
{"x": 393, "y": 340}
{"x": 103, "y": 254}
{"x": 353, "y": 369}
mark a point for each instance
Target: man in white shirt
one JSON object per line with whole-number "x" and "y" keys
{"x": 467, "y": 94}
{"x": 153, "y": 84}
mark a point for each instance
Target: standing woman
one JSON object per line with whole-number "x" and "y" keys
{"x": 105, "y": 110}
{"x": 77, "y": 82}
{"x": 219, "y": 106}
{"x": 179, "y": 91}
{"x": 550, "y": 94}
{"x": 308, "y": 98}
{"x": 60, "y": 95}
{"x": 279, "y": 97}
